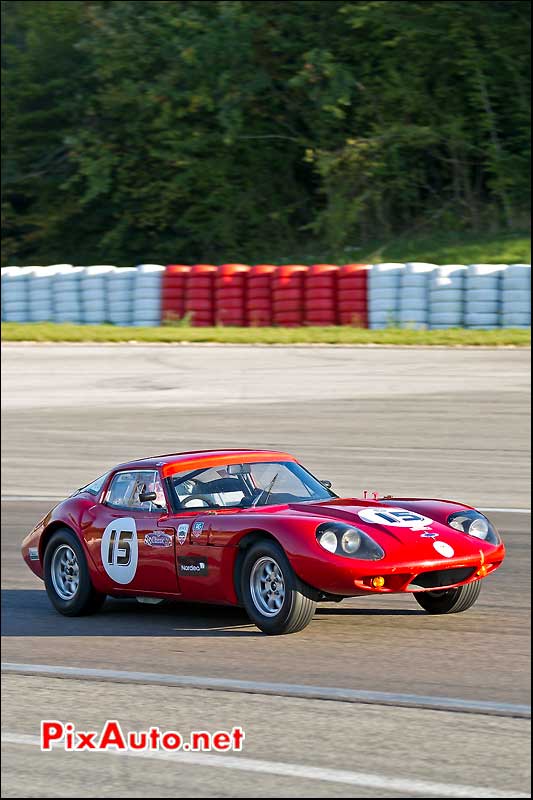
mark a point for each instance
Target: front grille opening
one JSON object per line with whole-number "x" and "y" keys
{"x": 440, "y": 577}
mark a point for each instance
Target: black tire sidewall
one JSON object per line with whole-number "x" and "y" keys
{"x": 451, "y": 601}
{"x": 83, "y": 599}
{"x": 278, "y": 623}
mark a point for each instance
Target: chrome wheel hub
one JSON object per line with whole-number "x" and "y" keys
{"x": 65, "y": 572}
{"x": 267, "y": 586}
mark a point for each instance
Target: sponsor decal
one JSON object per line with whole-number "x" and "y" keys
{"x": 396, "y": 518}
{"x": 182, "y": 532}
{"x": 192, "y": 566}
{"x": 429, "y": 535}
{"x": 444, "y": 549}
{"x": 197, "y": 528}
{"x": 33, "y": 553}
{"x": 119, "y": 550}
{"x": 158, "y": 539}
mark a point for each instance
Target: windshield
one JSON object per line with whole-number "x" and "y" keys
{"x": 246, "y": 485}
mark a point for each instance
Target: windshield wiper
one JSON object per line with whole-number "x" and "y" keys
{"x": 267, "y": 491}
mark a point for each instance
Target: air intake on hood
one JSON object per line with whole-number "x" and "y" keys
{"x": 438, "y": 578}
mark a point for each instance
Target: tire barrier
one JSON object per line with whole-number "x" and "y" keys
{"x": 230, "y": 294}
{"x": 147, "y": 295}
{"x": 199, "y": 295}
{"x": 383, "y": 294}
{"x": 516, "y": 296}
{"x": 173, "y": 292}
{"x": 320, "y": 294}
{"x": 352, "y": 295}
{"x": 482, "y": 295}
{"x": 66, "y": 293}
{"x": 259, "y": 295}
{"x": 413, "y": 295}
{"x": 120, "y": 292}
{"x": 288, "y": 295}
{"x": 446, "y": 292}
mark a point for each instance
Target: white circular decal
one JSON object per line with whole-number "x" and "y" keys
{"x": 120, "y": 550}
{"x": 444, "y": 549}
{"x": 395, "y": 518}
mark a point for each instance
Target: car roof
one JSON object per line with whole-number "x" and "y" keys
{"x": 198, "y": 459}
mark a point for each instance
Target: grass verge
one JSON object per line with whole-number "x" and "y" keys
{"x": 453, "y": 337}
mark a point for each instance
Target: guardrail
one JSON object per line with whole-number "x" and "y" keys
{"x": 413, "y": 295}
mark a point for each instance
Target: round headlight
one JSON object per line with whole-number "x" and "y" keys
{"x": 460, "y": 522}
{"x": 351, "y": 541}
{"x": 475, "y": 524}
{"x": 328, "y": 540}
{"x": 479, "y": 527}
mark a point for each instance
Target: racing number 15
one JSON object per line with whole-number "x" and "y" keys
{"x": 119, "y": 552}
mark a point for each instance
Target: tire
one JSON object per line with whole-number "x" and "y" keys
{"x": 299, "y": 601}
{"x": 449, "y": 601}
{"x": 84, "y": 599}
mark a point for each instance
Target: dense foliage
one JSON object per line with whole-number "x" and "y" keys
{"x": 198, "y": 130}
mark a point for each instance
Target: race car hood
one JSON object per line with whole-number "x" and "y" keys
{"x": 394, "y": 525}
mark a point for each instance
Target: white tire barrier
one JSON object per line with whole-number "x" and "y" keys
{"x": 516, "y": 296}
{"x": 483, "y": 295}
{"x": 93, "y": 292}
{"x": 383, "y": 293}
{"x": 147, "y": 295}
{"x": 413, "y": 294}
{"x": 446, "y": 296}
{"x": 15, "y": 301}
{"x": 66, "y": 301}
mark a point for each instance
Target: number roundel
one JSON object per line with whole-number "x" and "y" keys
{"x": 395, "y": 518}
{"x": 120, "y": 550}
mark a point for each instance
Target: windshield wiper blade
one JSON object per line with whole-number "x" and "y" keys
{"x": 266, "y": 492}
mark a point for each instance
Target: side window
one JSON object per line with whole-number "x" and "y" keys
{"x": 96, "y": 486}
{"x": 126, "y": 488}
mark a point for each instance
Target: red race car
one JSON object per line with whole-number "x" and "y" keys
{"x": 254, "y": 528}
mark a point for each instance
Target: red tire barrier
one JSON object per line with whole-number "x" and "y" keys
{"x": 321, "y": 294}
{"x": 200, "y": 294}
{"x": 288, "y": 295}
{"x": 173, "y": 287}
{"x": 230, "y": 294}
{"x": 259, "y": 295}
{"x": 352, "y": 295}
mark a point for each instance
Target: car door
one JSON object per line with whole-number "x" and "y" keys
{"x": 130, "y": 542}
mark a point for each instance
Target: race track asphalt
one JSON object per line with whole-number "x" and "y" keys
{"x": 452, "y": 423}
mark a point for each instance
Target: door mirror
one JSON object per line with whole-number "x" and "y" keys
{"x": 145, "y": 497}
{"x": 327, "y": 484}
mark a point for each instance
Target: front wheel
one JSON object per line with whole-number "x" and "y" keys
{"x": 449, "y": 601}
{"x": 274, "y": 597}
{"x": 66, "y": 576}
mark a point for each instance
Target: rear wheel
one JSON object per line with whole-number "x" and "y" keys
{"x": 66, "y": 576}
{"x": 449, "y": 601}
{"x": 274, "y": 597}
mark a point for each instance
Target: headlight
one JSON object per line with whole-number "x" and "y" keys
{"x": 475, "y": 524}
{"x": 351, "y": 541}
{"x": 345, "y": 540}
{"x": 328, "y": 540}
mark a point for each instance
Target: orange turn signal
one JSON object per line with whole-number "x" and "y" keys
{"x": 378, "y": 582}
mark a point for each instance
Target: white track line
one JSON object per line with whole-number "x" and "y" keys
{"x": 508, "y": 510}
{"x": 367, "y": 780}
{"x": 450, "y": 704}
